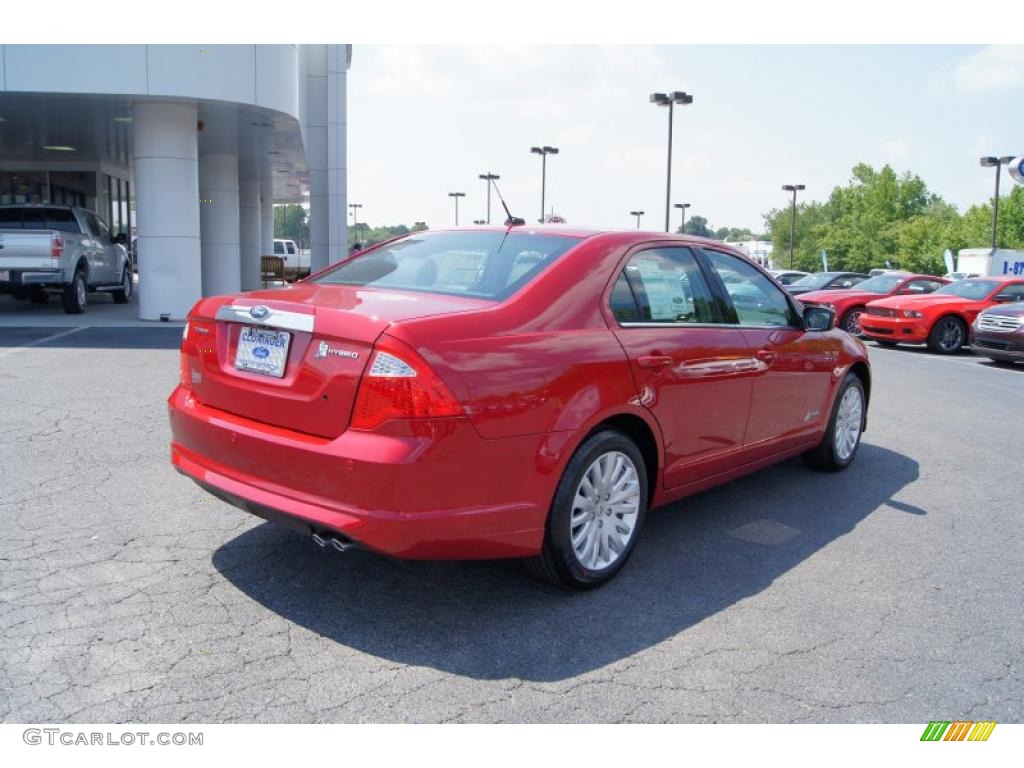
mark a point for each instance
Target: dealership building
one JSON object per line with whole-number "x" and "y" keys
{"x": 186, "y": 148}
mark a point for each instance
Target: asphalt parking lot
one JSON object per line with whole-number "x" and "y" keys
{"x": 890, "y": 592}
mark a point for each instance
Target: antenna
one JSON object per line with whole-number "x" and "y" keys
{"x": 511, "y": 221}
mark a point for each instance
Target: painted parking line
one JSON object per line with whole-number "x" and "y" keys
{"x": 44, "y": 340}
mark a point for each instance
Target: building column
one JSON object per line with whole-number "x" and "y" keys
{"x": 250, "y": 232}
{"x": 337, "y": 158}
{"x": 167, "y": 215}
{"x": 218, "y": 223}
{"x": 314, "y": 76}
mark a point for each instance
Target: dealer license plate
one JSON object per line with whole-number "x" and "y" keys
{"x": 262, "y": 350}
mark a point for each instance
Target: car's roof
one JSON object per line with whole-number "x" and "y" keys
{"x": 565, "y": 230}
{"x": 990, "y": 278}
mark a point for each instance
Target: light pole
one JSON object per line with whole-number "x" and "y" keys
{"x": 638, "y": 214}
{"x": 998, "y": 162}
{"x": 670, "y": 100}
{"x": 794, "y": 188}
{"x": 456, "y": 196}
{"x": 682, "y": 225}
{"x": 488, "y": 178}
{"x": 355, "y": 219}
{"x": 543, "y": 152}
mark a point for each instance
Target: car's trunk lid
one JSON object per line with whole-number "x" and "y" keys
{"x": 330, "y": 333}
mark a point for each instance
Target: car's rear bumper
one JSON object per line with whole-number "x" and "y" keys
{"x": 446, "y": 495}
{"x": 895, "y": 329}
{"x": 15, "y": 278}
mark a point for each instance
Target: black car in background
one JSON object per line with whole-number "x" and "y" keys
{"x": 825, "y": 281}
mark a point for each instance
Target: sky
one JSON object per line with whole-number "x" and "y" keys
{"x": 424, "y": 121}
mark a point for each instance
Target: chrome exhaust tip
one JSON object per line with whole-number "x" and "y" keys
{"x": 319, "y": 540}
{"x": 340, "y": 545}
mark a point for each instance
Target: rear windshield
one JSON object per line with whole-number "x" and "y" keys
{"x": 881, "y": 283}
{"x": 968, "y": 289}
{"x": 489, "y": 265}
{"x": 60, "y": 219}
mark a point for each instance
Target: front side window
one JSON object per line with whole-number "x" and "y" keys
{"x": 756, "y": 299}
{"x": 488, "y": 265}
{"x": 278, "y": 249}
{"x": 663, "y": 285}
{"x": 1016, "y": 291}
{"x": 291, "y": 249}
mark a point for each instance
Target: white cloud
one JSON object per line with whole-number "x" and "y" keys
{"x": 997, "y": 67}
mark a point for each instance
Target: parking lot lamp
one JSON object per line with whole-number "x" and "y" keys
{"x": 670, "y": 100}
{"x": 488, "y": 178}
{"x": 794, "y": 188}
{"x": 456, "y": 196}
{"x": 998, "y": 163}
{"x": 638, "y": 214}
{"x": 543, "y": 152}
{"x": 682, "y": 225}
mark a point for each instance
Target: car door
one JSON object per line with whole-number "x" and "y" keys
{"x": 107, "y": 253}
{"x": 790, "y": 390}
{"x": 92, "y": 247}
{"x": 693, "y": 371}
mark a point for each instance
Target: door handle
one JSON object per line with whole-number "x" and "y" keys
{"x": 654, "y": 361}
{"x": 766, "y": 356}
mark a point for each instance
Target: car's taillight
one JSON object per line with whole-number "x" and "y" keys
{"x": 186, "y": 371}
{"x": 56, "y": 247}
{"x": 400, "y": 385}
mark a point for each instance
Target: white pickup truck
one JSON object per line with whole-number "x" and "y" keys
{"x": 55, "y": 249}
{"x": 296, "y": 260}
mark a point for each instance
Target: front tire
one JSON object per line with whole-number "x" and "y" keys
{"x": 947, "y": 336}
{"x": 74, "y": 296}
{"x": 846, "y": 423}
{"x": 124, "y": 294}
{"x": 595, "y": 518}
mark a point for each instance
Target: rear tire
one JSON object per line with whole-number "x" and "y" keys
{"x": 74, "y": 296}
{"x": 838, "y": 447}
{"x": 947, "y": 336}
{"x": 124, "y": 294}
{"x": 595, "y": 518}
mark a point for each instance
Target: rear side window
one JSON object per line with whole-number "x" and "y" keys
{"x": 667, "y": 286}
{"x": 60, "y": 219}
{"x": 756, "y": 299}
{"x": 490, "y": 265}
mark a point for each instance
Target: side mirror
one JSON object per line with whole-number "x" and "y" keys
{"x": 818, "y": 318}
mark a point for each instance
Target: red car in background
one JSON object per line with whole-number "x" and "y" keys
{"x": 939, "y": 319}
{"x": 512, "y": 392}
{"x": 849, "y": 303}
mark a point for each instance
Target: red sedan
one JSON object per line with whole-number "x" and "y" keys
{"x": 509, "y": 393}
{"x": 940, "y": 319}
{"x": 849, "y": 303}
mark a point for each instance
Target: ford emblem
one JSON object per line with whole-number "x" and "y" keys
{"x": 259, "y": 312}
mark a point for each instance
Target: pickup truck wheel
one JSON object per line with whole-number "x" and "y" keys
{"x": 39, "y": 297}
{"x": 596, "y": 515}
{"x": 124, "y": 294}
{"x": 74, "y": 296}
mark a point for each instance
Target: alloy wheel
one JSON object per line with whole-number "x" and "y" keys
{"x": 605, "y": 510}
{"x": 848, "y": 423}
{"x": 951, "y": 335}
{"x": 852, "y": 322}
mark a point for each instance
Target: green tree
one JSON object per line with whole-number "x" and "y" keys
{"x": 697, "y": 225}
{"x": 877, "y": 217}
{"x": 291, "y": 223}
